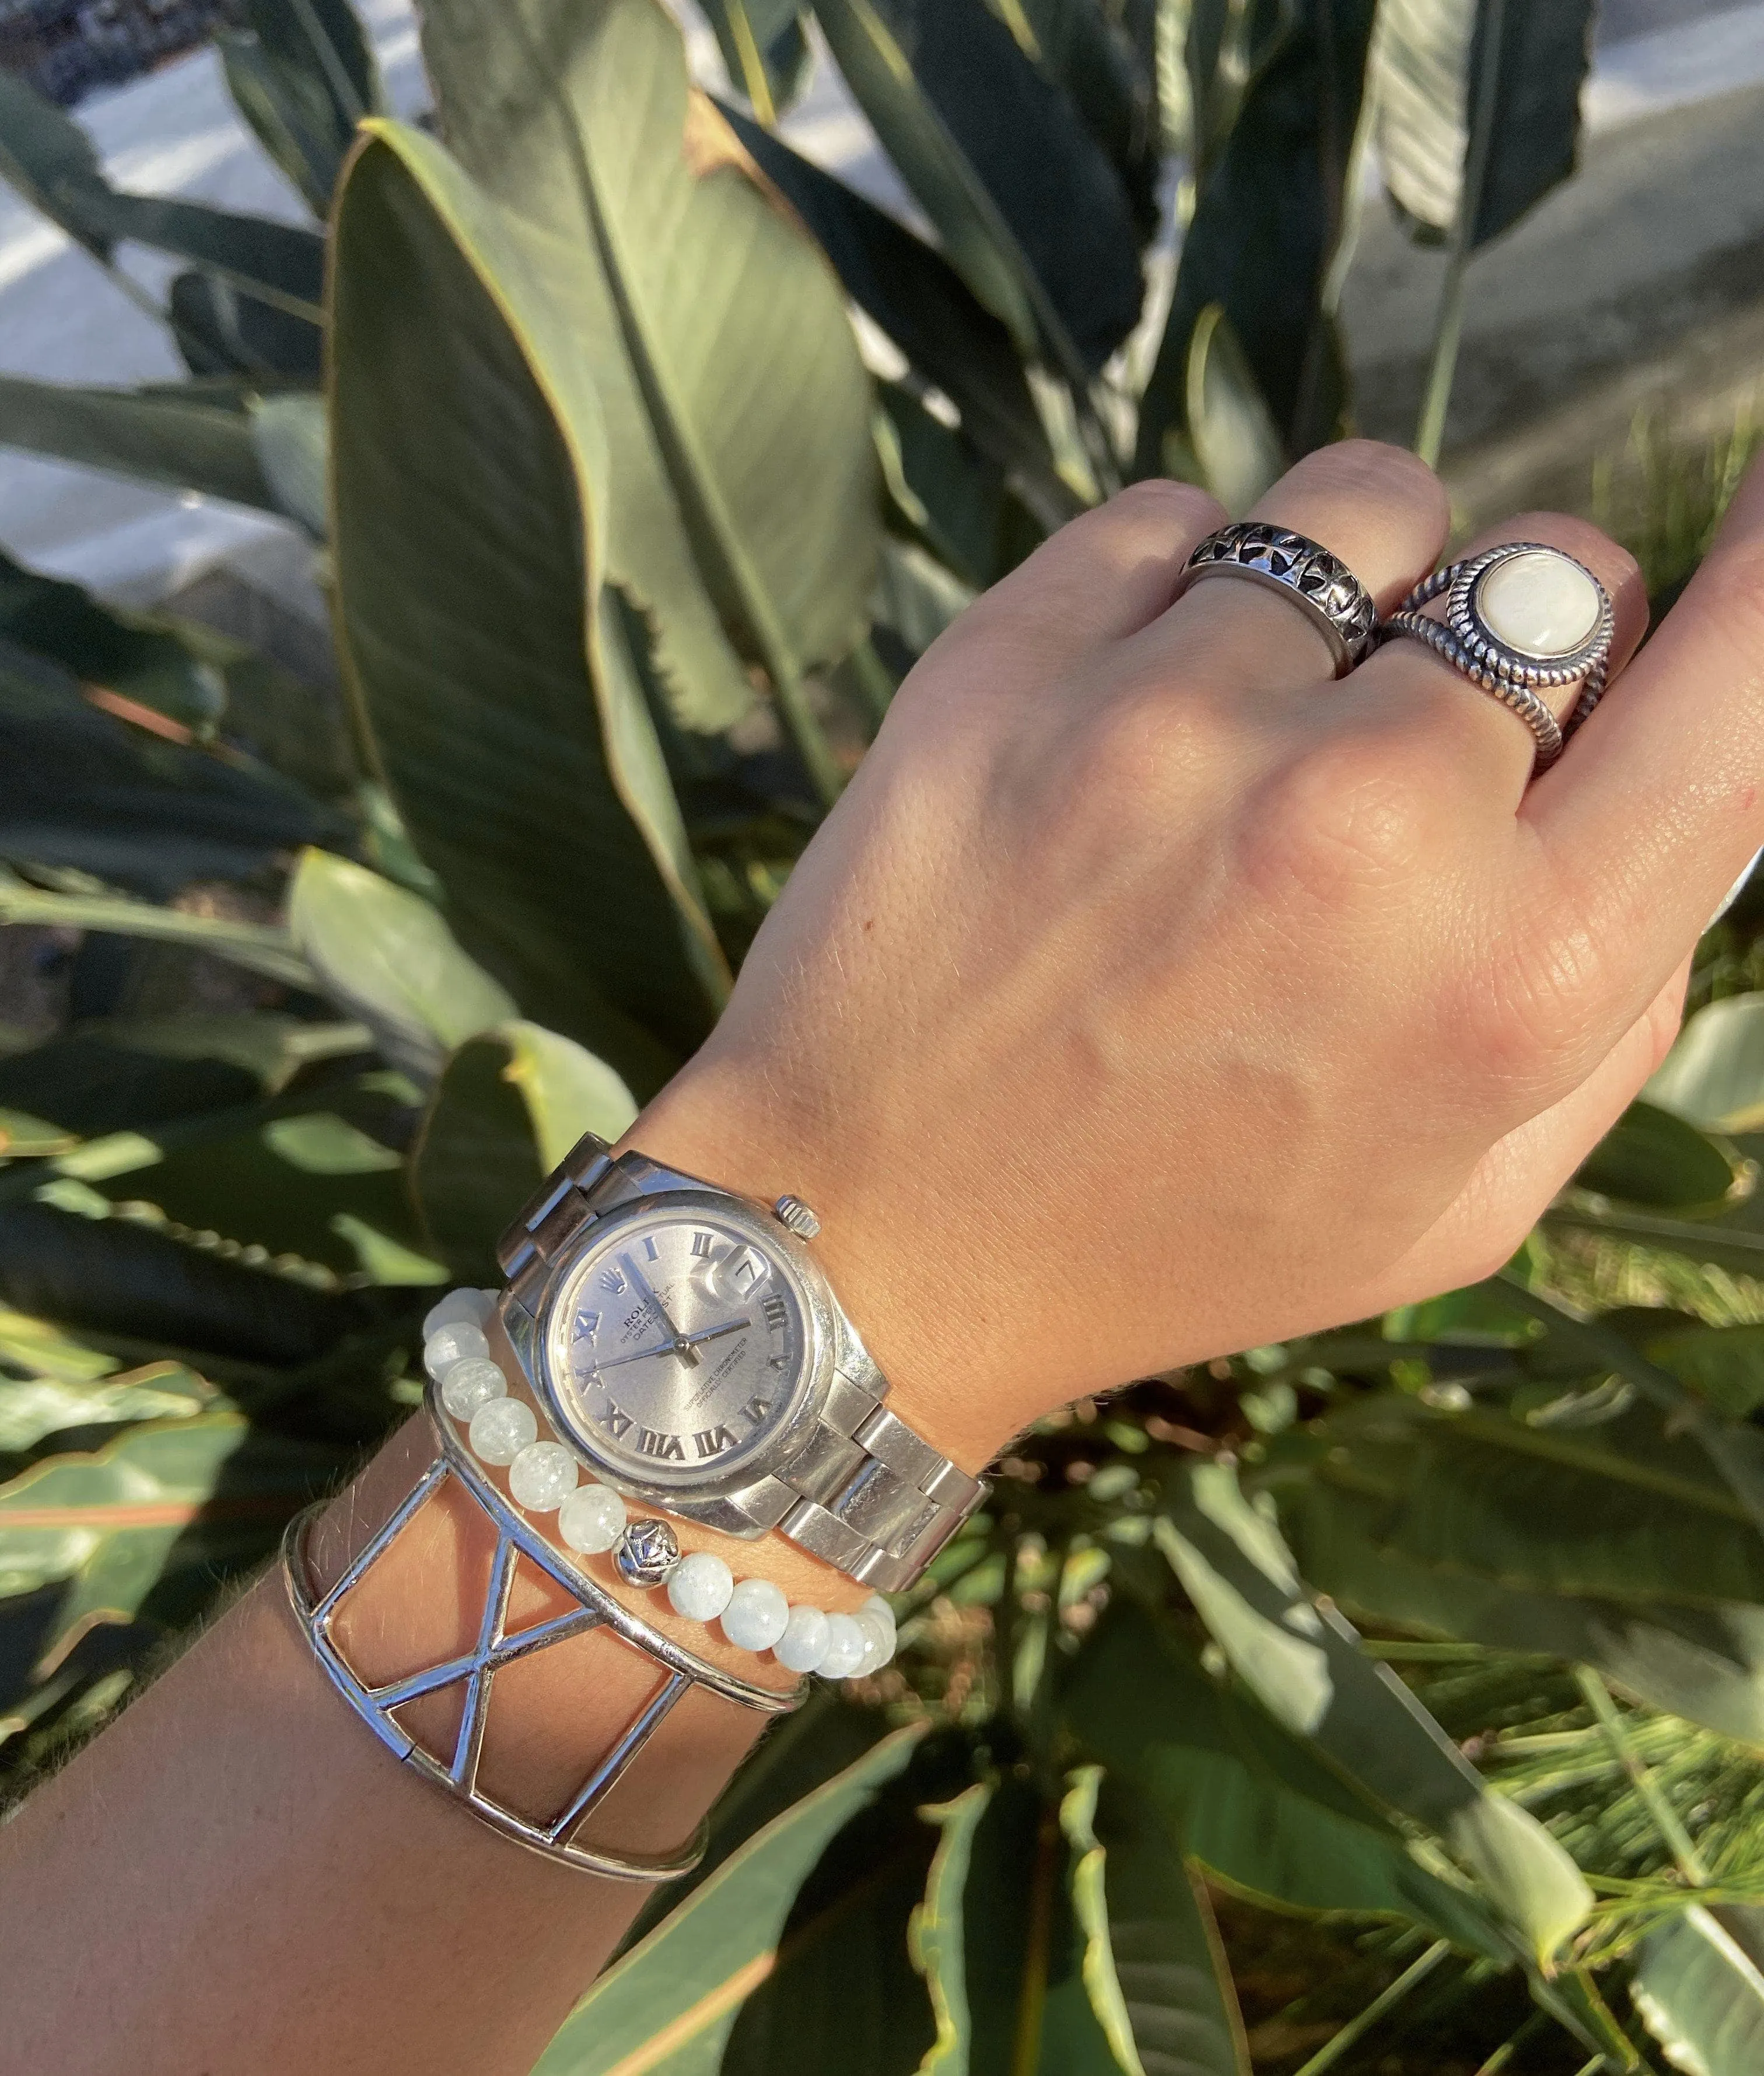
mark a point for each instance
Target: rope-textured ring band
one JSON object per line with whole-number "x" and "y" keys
{"x": 1337, "y": 603}
{"x": 679, "y": 1670}
{"x": 1520, "y": 619}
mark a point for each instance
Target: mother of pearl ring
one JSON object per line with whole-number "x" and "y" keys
{"x": 1520, "y": 619}
{"x": 1338, "y": 604}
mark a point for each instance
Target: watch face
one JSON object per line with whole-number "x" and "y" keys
{"x": 678, "y": 1345}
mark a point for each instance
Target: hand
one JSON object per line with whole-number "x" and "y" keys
{"x": 682, "y": 1344}
{"x": 1149, "y": 996}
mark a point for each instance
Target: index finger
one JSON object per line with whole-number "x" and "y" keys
{"x": 1659, "y": 801}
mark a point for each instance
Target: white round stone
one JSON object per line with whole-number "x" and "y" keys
{"x": 800, "y": 1648}
{"x": 471, "y": 1384}
{"x": 878, "y": 1606}
{"x": 700, "y": 1586}
{"x": 459, "y": 1308}
{"x": 846, "y": 1644}
{"x": 1542, "y": 603}
{"x": 501, "y": 1428}
{"x": 543, "y": 1476}
{"x": 459, "y": 1342}
{"x": 878, "y": 1640}
{"x": 756, "y": 1616}
{"x": 591, "y": 1519}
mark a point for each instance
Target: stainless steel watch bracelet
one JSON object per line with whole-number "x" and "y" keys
{"x": 866, "y": 1493}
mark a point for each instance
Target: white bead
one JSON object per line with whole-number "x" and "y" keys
{"x": 700, "y": 1586}
{"x": 846, "y": 1644}
{"x": 756, "y": 1615}
{"x": 878, "y": 1640}
{"x": 591, "y": 1519}
{"x": 471, "y": 1384}
{"x": 800, "y": 1648}
{"x": 543, "y": 1476}
{"x": 501, "y": 1428}
{"x": 878, "y": 1606}
{"x": 459, "y": 1308}
{"x": 459, "y": 1342}
{"x": 1542, "y": 602}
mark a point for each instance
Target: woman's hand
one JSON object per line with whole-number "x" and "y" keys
{"x": 1149, "y": 995}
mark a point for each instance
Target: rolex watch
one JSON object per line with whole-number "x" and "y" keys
{"x": 686, "y": 1345}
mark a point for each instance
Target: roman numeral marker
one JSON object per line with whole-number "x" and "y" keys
{"x": 667, "y": 1446}
{"x": 755, "y": 1409}
{"x": 775, "y": 1312}
{"x": 649, "y": 1249}
{"x": 617, "y": 1422}
{"x": 701, "y": 1244}
{"x": 713, "y": 1441}
{"x": 588, "y": 1322}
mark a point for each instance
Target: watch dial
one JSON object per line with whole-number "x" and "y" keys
{"x": 675, "y": 1346}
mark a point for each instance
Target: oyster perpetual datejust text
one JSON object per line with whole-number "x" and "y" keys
{"x": 687, "y": 1346}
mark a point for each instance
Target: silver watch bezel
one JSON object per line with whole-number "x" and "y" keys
{"x": 749, "y": 1499}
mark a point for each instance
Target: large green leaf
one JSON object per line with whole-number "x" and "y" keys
{"x": 1236, "y": 442}
{"x": 735, "y": 408}
{"x": 1238, "y": 1794}
{"x": 1153, "y": 1964}
{"x": 687, "y": 1978}
{"x": 257, "y": 947}
{"x": 34, "y": 1406}
{"x": 765, "y": 51}
{"x": 48, "y": 159}
{"x": 1433, "y": 61}
{"x": 1305, "y": 1663}
{"x": 931, "y": 314}
{"x": 469, "y": 482}
{"x": 1267, "y": 220}
{"x": 387, "y": 956}
{"x": 190, "y": 436}
{"x": 510, "y": 1105}
{"x": 1714, "y": 1075}
{"x": 1031, "y": 214}
{"x": 1088, "y": 49}
{"x": 302, "y": 74}
{"x": 149, "y": 1523}
{"x": 938, "y": 1939}
{"x": 1649, "y": 1157}
{"x": 1698, "y": 1986}
{"x": 220, "y": 330}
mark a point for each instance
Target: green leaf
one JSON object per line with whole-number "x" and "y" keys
{"x": 765, "y": 51}
{"x": 220, "y": 330}
{"x": 469, "y": 482}
{"x": 949, "y": 494}
{"x": 916, "y": 597}
{"x": 742, "y": 476}
{"x": 282, "y": 265}
{"x": 1154, "y": 1966}
{"x": 1427, "y": 56}
{"x": 144, "y": 1525}
{"x": 1250, "y": 251}
{"x": 510, "y": 1104}
{"x": 1230, "y": 428}
{"x": 1651, "y": 1157}
{"x": 302, "y": 74}
{"x": 1031, "y": 213}
{"x": 1713, "y": 1078}
{"x": 31, "y": 1408}
{"x": 1087, "y": 51}
{"x": 918, "y": 298}
{"x": 257, "y": 947}
{"x": 688, "y": 1977}
{"x": 1306, "y": 1665}
{"x": 1723, "y": 1365}
{"x": 195, "y": 436}
{"x": 25, "y": 1137}
{"x": 387, "y": 956}
{"x": 48, "y": 159}
{"x": 1235, "y": 1792}
{"x": 1699, "y": 1988}
{"x": 937, "y": 1939}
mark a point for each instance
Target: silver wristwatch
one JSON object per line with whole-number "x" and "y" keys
{"x": 688, "y": 1348}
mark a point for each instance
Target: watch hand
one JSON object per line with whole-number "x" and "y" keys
{"x": 681, "y": 1346}
{"x": 710, "y": 1333}
{"x": 637, "y": 1355}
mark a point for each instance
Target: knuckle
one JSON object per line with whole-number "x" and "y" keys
{"x": 1345, "y": 817}
{"x": 1159, "y": 502}
{"x": 1373, "y": 470}
{"x": 1615, "y": 567}
{"x": 1729, "y": 589}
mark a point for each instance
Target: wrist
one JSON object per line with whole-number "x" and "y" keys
{"x": 873, "y": 1244}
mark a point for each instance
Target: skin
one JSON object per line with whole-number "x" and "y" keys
{"x": 1148, "y": 996}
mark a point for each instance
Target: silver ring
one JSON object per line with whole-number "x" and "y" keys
{"x": 1338, "y": 604}
{"x": 1515, "y": 636}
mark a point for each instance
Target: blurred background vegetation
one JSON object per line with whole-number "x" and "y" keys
{"x": 1392, "y": 1701}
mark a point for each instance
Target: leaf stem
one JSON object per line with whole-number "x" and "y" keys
{"x": 254, "y": 945}
{"x": 1333, "y": 2049}
{"x": 1448, "y": 327}
{"x": 1666, "y": 1821}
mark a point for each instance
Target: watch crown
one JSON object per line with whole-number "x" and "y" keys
{"x": 791, "y": 1212}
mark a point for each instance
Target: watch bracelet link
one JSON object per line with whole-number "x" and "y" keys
{"x": 865, "y": 1494}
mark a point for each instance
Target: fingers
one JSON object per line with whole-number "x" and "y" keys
{"x": 1102, "y": 577}
{"x": 1491, "y": 750}
{"x": 1660, "y": 801}
{"x": 1383, "y": 512}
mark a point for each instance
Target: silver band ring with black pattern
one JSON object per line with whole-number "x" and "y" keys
{"x": 1521, "y": 619}
{"x": 1335, "y": 600}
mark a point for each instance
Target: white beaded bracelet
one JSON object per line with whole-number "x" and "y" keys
{"x": 544, "y": 1478}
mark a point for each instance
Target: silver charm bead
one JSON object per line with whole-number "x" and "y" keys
{"x": 793, "y": 1212}
{"x": 646, "y": 1552}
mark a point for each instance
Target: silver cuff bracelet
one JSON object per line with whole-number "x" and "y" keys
{"x": 678, "y": 1670}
